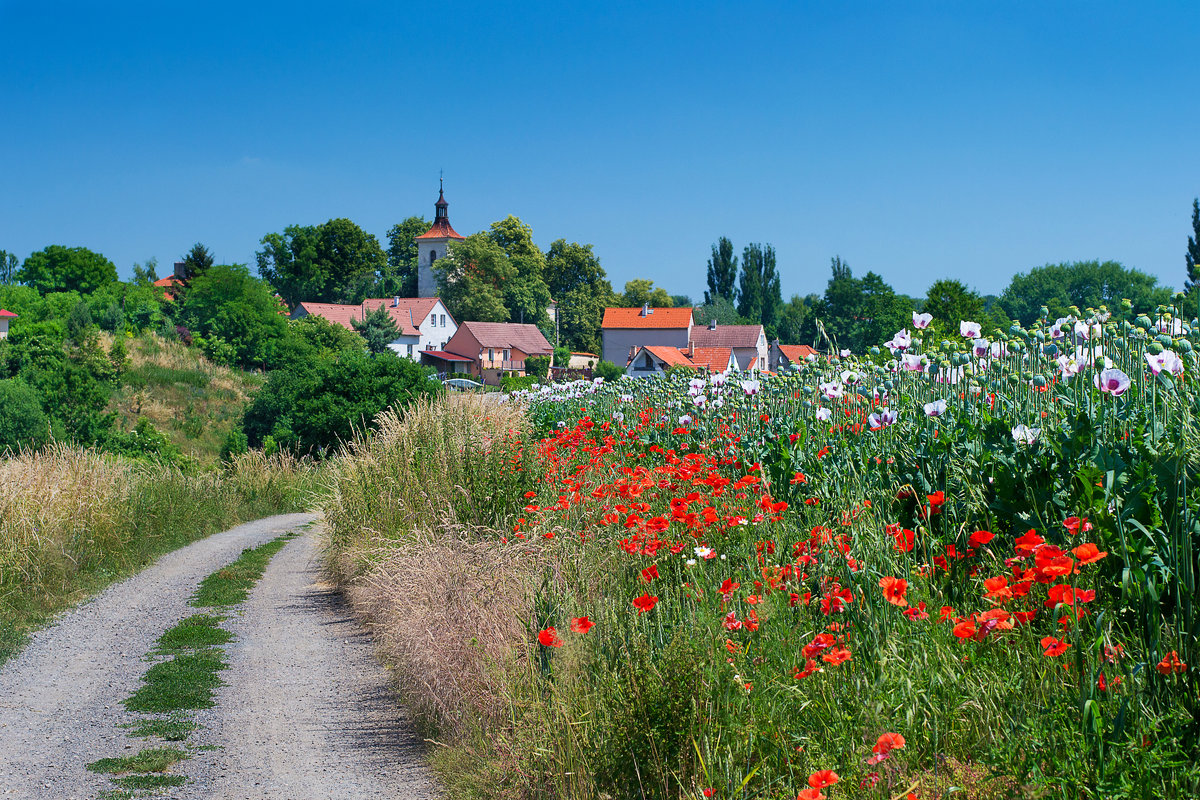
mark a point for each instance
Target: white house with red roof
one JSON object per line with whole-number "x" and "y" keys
{"x": 433, "y": 244}
{"x": 423, "y": 322}
{"x": 654, "y": 359}
{"x": 5, "y": 316}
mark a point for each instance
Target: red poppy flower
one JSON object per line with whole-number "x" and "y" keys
{"x": 1170, "y": 663}
{"x": 798, "y": 478}
{"x": 998, "y": 589}
{"x": 810, "y": 794}
{"x": 917, "y": 611}
{"x": 888, "y": 742}
{"x": 549, "y": 638}
{"x": 1088, "y": 553}
{"x": 644, "y": 603}
{"x": 946, "y": 613}
{"x": 650, "y": 573}
{"x": 1028, "y": 542}
{"x": 965, "y": 629}
{"x": 980, "y": 538}
{"x": 838, "y": 655}
{"x": 1054, "y": 647}
{"x": 823, "y": 778}
{"x": 581, "y": 625}
{"x": 894, "y": 589}
{"x": 1075, "y": 524}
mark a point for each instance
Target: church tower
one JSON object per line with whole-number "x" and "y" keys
{"x": 431, "y": 245}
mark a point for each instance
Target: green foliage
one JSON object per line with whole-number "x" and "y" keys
{"x": 472, "y": 278}
{"x": 237, "y": 316}
{"x": 579, "y": 284}
{"x": 795, "y": 320}
{"x": 144, "y": 441}
{"x": 335, "y": 262}
{"x": 513, "y": 383}
{"x": 1083, "y": 284}
{"x": 235, "y": 445}
{"x": 8, "y": 267}
{"x": 538, "y": 366}
{"x": 608, "y": 370}
{"x": 950, "y": 302}
{"x": 860, "y": 313}
{"x": 640, "y": 292}
{"x": 750, "y": 284}
{"x": 197, "y": 261}
{"x": 79, "y": 323}
{"x": 1192, "y": 257}
{"x": 562, "y": 356}
{"x": 400, "y": 276}
{"x": 146, "y": 273}
{"x": 66, "y": 269}
{"x": 23, "y": 423}
{"x": 378, "y": 328}
{"x": 156, "y": 759}
{"x": 721, "y": 310}
{"x": 229, "y": 586}
{"x": 722, "y": 273}
{"x": 313, "y": 407}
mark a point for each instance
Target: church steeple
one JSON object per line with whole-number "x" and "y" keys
{"x": 441, "y": 207}
{"x": 432, "y": 244}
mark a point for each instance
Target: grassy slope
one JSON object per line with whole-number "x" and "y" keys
{"x": 194, "y": 402}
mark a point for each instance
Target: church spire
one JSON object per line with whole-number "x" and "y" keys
{"x": 441, "y": 207}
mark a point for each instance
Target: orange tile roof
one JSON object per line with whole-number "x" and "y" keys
{"x": 524, "y": 337}
{"x": 727, "y": 335}
{"x": 440, "y": 229}
{"x": 797, "y": 353}
{"x": 4, "y": 313}
{"x": 658, "y": 318}
{"x": 715, "y": 359}
{"x": 671, "y": 356}
{"x": 419, "y": 307}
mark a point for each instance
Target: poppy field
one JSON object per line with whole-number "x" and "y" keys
{"x": 950, "y": 567}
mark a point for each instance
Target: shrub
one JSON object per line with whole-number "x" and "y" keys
{"x": 23, "y": 424}
{"x": 609, "y": 371}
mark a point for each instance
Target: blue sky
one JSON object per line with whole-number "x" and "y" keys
{"x": 919, "y": 140}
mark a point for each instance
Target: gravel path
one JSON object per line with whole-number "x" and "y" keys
{"x": 306, "y": 712}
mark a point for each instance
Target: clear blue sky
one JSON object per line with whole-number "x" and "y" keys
{"x": 920, "y": 140}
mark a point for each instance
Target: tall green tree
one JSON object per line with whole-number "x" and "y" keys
{"x": 336, "y": 262}
{"x": 1083, "y": 284}
{"x": 750, "y": 283}
{"x": 795, "y": 325}
{"x": 772, "y": 292}
{"x": 722, "y": 272}
{"x": 1193, "y": 250}
{"x": 378, "y": 328}
{"x": 196, "y": 262}
{"x": 950, "y": 302}
{"x": 146, "y": 273}
{"x": 236, "y": 314}
{"x": 857, "y": 313}
{"x": 471, "y": 279}
{"x": 66, "y": 269}
{"x": 527, "y": 295}
{"x": 720, "y": 310}
{"x": 8, "y": 267}
{"x": 400, "y": 275}
{"x": 579, "y": 284}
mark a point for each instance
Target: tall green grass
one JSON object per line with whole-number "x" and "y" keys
{"x": 73, "y": 521}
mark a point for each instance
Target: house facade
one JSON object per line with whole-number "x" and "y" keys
{"x": 655, "y": 359}
{"x": 423, "y": 322}
{"x": 5, "y": 316}
{"x": 785, "y": 355}
{"x": 624, "y": 330}
{"x": 494, "y": 348}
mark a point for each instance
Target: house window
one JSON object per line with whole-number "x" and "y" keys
{"x": 410, "y": 351}
{"x": 506, "y": 356}
{"x": 443, "y": 320}
{"x": 491, "y": 355}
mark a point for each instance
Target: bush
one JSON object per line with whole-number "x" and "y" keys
{"x": 513, "y": 383}
{"x": 609, "y": 371}
{"x": 537, "y": 366}
{"x": 23, "y": 424}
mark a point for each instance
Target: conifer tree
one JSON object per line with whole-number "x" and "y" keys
{"x": 722, "y": 272}
{"x": 1193, "y": 250}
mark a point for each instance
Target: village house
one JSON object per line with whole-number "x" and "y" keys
{"x": 656, "y": 359}
{"x": 423, "y": 322}
{"x": 5, "y": 316}
{"x": 624, "y": 330}
{"x": 492, "y": 348}
{"x": 748, "y": 342}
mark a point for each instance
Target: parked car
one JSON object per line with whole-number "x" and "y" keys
{"x": 462, "y": 385}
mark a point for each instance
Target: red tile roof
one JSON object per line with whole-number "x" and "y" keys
{"x": 658, "y": 318}
{"x": 444, "y": 356}
{"x": 526, "y": 338}
{"x": 671, "y": 356}
{"x": 340, "y": 314}
{"x": 4, "y": 313}
{"x": 727, "y": 335}
{"x": 440, "y": 229}
{"x": 796, "y": 353}
{"x": 715, "y": 359}
{"x": 170, "y": 280}
{"x": 418, "y": 307}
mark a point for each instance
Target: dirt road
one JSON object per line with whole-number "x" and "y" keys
{"x": 306, "y": 711}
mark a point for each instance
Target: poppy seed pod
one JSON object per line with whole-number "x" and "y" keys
{"x": 1039, "y": 381}
{"x": 1184, "y": 346}
{"x": 1165, "y": 340}
{"x": 1050, "y": 350}
{"x": 1143, "y": 321}
{"x": 1154, "y": 348}
{"x": 1126, "y": 304}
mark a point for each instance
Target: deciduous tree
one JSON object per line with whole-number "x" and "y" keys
{"x": 66, "y": 269}
{"x": 336, "y": 262}
{"x": 1083, "y": 284}
{"x": 1193, "y": 250}
{"x": 400, "y": 276}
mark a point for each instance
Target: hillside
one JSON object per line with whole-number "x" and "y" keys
{"x": 194, "y": 402}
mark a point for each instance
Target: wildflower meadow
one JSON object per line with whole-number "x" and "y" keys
{"x": 949, "y": 567}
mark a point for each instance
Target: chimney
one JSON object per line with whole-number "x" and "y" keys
{"x": 712, "y": 324}
{"x": 691, "y": 350}
{"x": 396, "y": 301}
{"x": 646, "y": 309}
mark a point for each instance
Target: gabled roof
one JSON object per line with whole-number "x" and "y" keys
{"x": 714, "y": 359}
{"x": 443, "y": 355}
{"x": 418, "y": 307}
{"x": 657, "y": 318}
{"x": 524, "y": 337}
{"x": 340, "y": 314}
{"x": 671, "y": 356}
{"x": 797, "y": 353}
{"x": 4, "y": 313}
{"x": 170, "y": 280}
{"x": 440, "y": 229}
{"x": 727, "y": 335}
